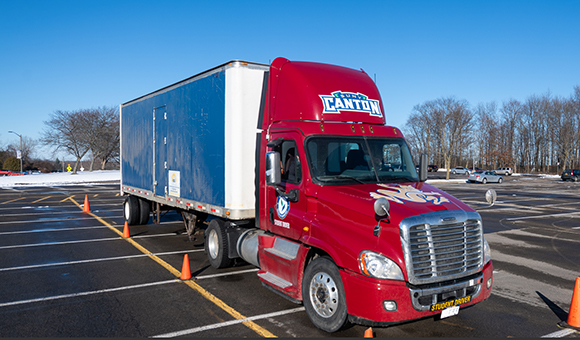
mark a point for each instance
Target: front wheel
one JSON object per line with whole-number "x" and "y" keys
{"x": 323, "y": 295}
{"x": 484, "y": 181}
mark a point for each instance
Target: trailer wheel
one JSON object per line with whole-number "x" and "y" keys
{"x": 144, "y": 211}
{"x": 323, "y": 295}
{"x": 131, "y": 210}
{"x": 216, "y": 244}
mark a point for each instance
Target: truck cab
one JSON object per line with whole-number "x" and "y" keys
{"x": 327, "y": 158}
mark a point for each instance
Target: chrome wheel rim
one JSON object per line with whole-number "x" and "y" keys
{"x": 127, "y": 211}
{"x": 324, "y": 295}
{"x": 212, "y": 244}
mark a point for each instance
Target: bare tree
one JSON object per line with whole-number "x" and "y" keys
{"x": 67, "y": 130}
{"x": 104, "y": 135}
{"x": 443, "y": 124}
{"x": 28, "y": 146}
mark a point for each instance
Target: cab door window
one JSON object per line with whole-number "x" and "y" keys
{"x": 291, "y": 166}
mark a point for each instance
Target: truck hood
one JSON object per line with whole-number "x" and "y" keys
{"x": 406, "y": 199}
{"x": 348, "y": 213}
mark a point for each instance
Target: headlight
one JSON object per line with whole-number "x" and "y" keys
{"x": 486, "y": 252}
{"x": 379, "y": 266}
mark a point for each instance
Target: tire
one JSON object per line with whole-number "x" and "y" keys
{"x": 575, "y": 178}
{"x": 323, "y": 295}
{"x": 216, "y": 244}
{"x": 455, "y": 172}
{"x": 484, "y": 181}
{"x": 500, "y": 180}
{"x": 144, "y": 211}
{"x": 131, "y": 210}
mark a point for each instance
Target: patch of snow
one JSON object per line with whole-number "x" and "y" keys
{"x": 61, "y": 178}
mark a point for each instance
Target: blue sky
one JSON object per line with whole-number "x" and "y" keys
{"x": 67, "y": 55}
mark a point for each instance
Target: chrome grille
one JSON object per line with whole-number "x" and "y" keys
{"x": 442, "y": 245}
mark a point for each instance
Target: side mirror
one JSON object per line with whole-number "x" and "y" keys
{"x": 273, "y": 172}
{"x": 423, "y": 167}
{"x": 382, "y": 207}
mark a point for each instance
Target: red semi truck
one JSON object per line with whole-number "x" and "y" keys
{"x": 303, "y": 179}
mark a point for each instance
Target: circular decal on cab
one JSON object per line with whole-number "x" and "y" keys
{"x": 282, "y": 207}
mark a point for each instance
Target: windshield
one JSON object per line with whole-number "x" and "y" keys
{"x": 346, "y": 160}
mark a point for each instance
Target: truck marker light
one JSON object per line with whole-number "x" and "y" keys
{"x": 321, "y": 127}
{"x": 352, "y": 128}
{"x": 371, "y": 128}
{"x": 306, "y": 229}
{"x": 362, "y": 128}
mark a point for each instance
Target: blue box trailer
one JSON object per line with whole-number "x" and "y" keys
{"x": 191, "y": 145}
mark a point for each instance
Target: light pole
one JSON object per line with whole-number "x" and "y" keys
{"x": 20, "y": 148}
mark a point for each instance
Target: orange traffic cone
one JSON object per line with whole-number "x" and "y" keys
{"x": 126, "y": 230}
{"x": 86, "y": 208}
{"x": 185, "y": 272}
{"x": 574, "y": 314}
{"x": 369, "y": 333}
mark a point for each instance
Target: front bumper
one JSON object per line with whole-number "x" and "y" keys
{"x": 365, "y": 297}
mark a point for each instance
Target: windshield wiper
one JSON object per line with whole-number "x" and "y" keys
{"x": 398, "y": 178}
{"x": 343, "y": 177}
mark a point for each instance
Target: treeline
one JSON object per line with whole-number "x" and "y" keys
{"x": 541, "y": 134}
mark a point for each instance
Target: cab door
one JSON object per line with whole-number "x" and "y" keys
{"x": 286, "y": 204}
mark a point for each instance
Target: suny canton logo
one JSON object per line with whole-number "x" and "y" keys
{"x": 282, "y": 207}
{"x": 348, "y": 101}
{"x": 400, "y": 193}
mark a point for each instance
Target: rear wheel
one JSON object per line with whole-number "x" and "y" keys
{"x": 131, "y": 210}
{"x": 484, "y": 180}
{"x": 216, "y": 244}
{"x": 323, "y": 295}
{"x": 575, "y": 178}
{"x": 144, "y": 211}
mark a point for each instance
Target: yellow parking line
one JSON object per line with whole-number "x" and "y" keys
{"x": 68, "y": 198}
{"x": 42, "y": 199}
{"x": 14, "y": 200}
{"x": 250, "y": 324}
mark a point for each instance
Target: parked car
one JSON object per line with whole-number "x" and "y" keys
{"x": 571, "y": 174}
{"x": 432, "y": 168}
{"x": 484, "y": 176}
{"x": 5, "y": 172}
{"x": 504, "y": 171}
{"x": 460, "y": 170}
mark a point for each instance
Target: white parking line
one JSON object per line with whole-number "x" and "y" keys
{"x": 70, "y": 229}
{"x": 80, "y": 241}
{"x": 559, "y": 334}
{"x": 541, "y": 216}
{"x": 227, "y": 323}
{"x": 65, "y": 296}
{"x": 108, "y": 290}
{"x": 97, "y": 260}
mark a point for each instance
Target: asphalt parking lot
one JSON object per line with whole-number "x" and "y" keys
{"x": 69, "y": 273}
